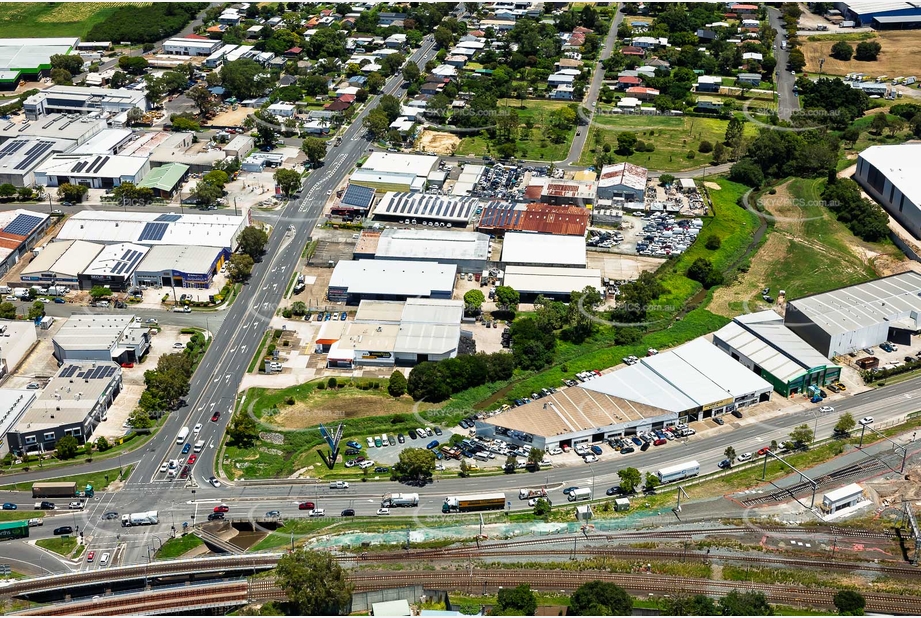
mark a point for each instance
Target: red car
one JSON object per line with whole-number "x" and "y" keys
{"x": 192, "y": 459}
{"x": 764, "y": 451}
{"x": 215, "y": 416}
{"x": 91, "y": 556}
{"x": 306, "y": 506}
{"x": 127, "y": 365}
{"x": 660, "y": 442}
{"x": 221, "y": 508}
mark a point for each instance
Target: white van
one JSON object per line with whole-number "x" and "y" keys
{"x": 104, "y": 561}
{"x": 199, "y": 446}
{"x": 482, "y": 456}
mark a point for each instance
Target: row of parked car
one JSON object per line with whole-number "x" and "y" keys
{"x": 326, "y": 316}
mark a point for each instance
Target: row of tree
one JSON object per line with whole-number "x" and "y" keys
{"x": 866, "y": 219}
{"x": 145, "y": 24}
{"x": 436, "y": 381}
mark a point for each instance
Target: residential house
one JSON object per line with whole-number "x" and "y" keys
{"x": 628, "y": 81}
{"x": 294, "y": 52}
{"x": 643, "y": 93}
{"x": 216, "y": 31}
{"x": 573, "y": 41}
{"x": 567, "y": 63}
{"x": 457, "y": 61}
{"x": 752, "y": 56}
{"x": 631, "y": 50}
{"x": 709, "y": 83}
{"x": 705, "y": 35}
{"x": 395, "y": 41}
{"x": 629, "y": 104}
{"x": 563, "y": 92}
{"x": 744, "y": 9}
{"x": 750, "y": 25}
{"x": 748, "y": 79}
{"x": 649, "y": 42}
{"x": 390, "y": 19}
{"x": 315, "y": 127}
{"x": 709, "y": 104}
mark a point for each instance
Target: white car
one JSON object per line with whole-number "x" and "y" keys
{"x": 383, "y": 511}
{"x": 197, "y": 428}
{"x": 533, "y": 501}
{"x": 826, "y": 409}
{"x": 367, "y": 463}
{"x": 590, "y": 459}
{"x": 744, "y": 457}
{"x": 164, "y": 467}
{"x": 370, "y": 442}
{"x": 104, "y": 560}
{"x": 214, "y": 482}
{"x": 866, "y": 420}
{"x": 555, "y": 451}
{"x": 384, "y": 440}
{"x": 178, "y": 345}
{"x": 316, "y": 513}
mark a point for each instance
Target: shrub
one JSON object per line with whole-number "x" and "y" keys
{"x": 332, "y": 383}
{"x": 705, "y": 147}
{"x": 691, "y": 154}
{"x": 713, "y": 243}
{"x": 290, "y": 401}
{"x": 321, "y": 386}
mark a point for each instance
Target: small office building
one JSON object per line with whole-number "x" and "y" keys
{"x": 842, "y": 498}
{"x": 180, "y": 266}
{"x": 165, "y": 180}
{"x": 113, "y": 267}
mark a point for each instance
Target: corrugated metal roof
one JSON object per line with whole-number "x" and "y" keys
{"x": 627, "y": 174}
{"x": 531, "y": 248}
{"x": 563, "y": 220}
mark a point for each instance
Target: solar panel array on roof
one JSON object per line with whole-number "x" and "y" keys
{"x": 358, "y": 196}
{"x": 153, "y": 231}
{"x": 501, "y": 215}
{"x": 11, "y": 147}
{"x": 34, "y": 153}
{"x": 127, "y": 262}
{"x": 428, "y": 206}
{"x": 93, "y": 373}
{"x": 69, "y": 371}
{"x": 78, "y": 167}
{"x": 169, "y": 218}
{"x": 22, "y": 225}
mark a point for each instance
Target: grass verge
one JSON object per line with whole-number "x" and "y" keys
{"x": 178, "y": 546}
{"x": 99, "y": 480}
{"x": 64, "y": 545}
{"x": 257, "y": 356}
{"x": 20, "y": 515}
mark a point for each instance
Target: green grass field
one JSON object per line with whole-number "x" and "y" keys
{"x": 176, "y": 547}
{"x": 672, "y": 136}
{"x": 20, "y": 515}
{"x": 54, "y": 19}
{"x": 532, "y": 144}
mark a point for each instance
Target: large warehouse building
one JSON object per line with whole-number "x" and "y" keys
{"x": 882, "y": 14}
{"x": 387, "y": 333}
{"x": 421, "y": 208}
{"x": 182, "y": 266}
{"x": 20, "y": 231}
{"x": 501, "y": 217}
{"x": 354, "y": 281}
{"x": 692, "y": 382}
{"x": 94, "y": 337}
{"x": 60, "y": 263}
{"x": 150, "y": 228}
{"x": 469, "y": 251}
{"x": 113, "y": 267}
{"x": 859, "y": 316}
{"x": 623, "y": 182}
{"x": 20, "y": 157}
{"x": 59, "y": 99}
{"x": 30, "y": 59}
{"x": 94, "y": 171}
{"x": 556, "y": 283}
{"x": 762, "y": 343}
{"x": 890, "y": 175}
{"x": 529, "y": 249}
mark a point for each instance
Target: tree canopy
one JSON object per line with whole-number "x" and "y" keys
{"x": 600, "y": 598}
{"x": 252, "y": 241}
{"x": 314, "y": 583}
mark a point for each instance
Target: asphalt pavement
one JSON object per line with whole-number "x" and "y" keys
{"x": 787, "y": 101}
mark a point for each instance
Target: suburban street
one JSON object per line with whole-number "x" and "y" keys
{"x": 583, "y": 127}
{"x": 787, "y": 102}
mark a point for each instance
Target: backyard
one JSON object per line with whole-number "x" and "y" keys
{"x": 673, "y": 137}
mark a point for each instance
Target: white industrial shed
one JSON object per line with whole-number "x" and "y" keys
{"x": 113, "y": 267}
{"x": 151, "y": 228}
{"x": 16, "y": 341}
{"x": 557, "y": 283}
{"x": 412, "y": 208}
{"x": 95, "y": 171}
{"x": 60, "y": 263}
{"x": 387, "y": 333}
{"x": 689, "y": 383}
{"x": 93, "y": 337}
{"x": 13, "y": 404}
{"x": 530, "y": 249}
{"x": 890, "y": 175}
{"x": 469, "y": 251}
{"x": 392, "y": 162}
{"x": 355, "y": 280}
{"x": 859, "y": 316}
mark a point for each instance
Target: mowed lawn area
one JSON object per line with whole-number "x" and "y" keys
{"x": 54, "y": 19}
{"x": 899, "y": 55}
{"x": 533, "y": 144}
{"x": 673, "y": 137}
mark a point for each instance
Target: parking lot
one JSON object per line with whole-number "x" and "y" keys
{"x": 387, "y": 456}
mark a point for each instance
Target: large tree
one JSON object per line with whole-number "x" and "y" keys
{"x": 600, "y": 598}
{"x": 845, "y": 423}
{"x": 240, "y": 267}
{"x": 252, "y": 241}
{"x": 842, "y": 50}
{"x": 802, "y": 435}
{"x": 630, "y": 479}
{"x": 67, "y": 447}
{"x": 72, "y": 63}
{"x": 243, "y": 430}
{"x": 745, "y": 604}
{"x": 415, "y": 464}
{"x": 206, "y": 193}
{"x": 315, "y": 149}
{"x": 473, "y": 300}
{"x": 849, "y": 603}
{"x": 245, "y": 78}
{"x": 289, "y": 181}
{"x": 314, "y": 583}
{"x": 517, "y": 601}
{"x": 507, "y": 297}
{"x": 7, "y": 311}
{"x": 202, "y": 97}
{"x": 396, "y": 386}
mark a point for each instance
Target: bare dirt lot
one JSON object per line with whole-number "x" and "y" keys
{"x": 324, "y": 406}
{"x": 899, "y": 56}
{"x": 232, "y": 117}
{"x": 439, "y": 143}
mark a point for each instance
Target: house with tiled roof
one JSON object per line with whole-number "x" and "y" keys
{"x": 631, "y": 50}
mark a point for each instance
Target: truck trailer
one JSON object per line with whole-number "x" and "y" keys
{"x": 474, "y": 502}
{"x": 54, "y": 490}
{"x": 678, "y": 472}
{"x": 393, "y": 500}
{"x": 582, "y": 493}
{"x": 527, "y": 494}
{"x": 147, "y": 518}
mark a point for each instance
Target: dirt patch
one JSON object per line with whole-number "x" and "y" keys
{"x": 438, "y": 143}
{"x": 899, "y": 56}
{"x": 712, "y": 185}
{"x": 231, "y": 118}
{"x": 321, "y": 408}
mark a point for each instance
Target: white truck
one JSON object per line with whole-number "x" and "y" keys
{"x": 678, "y": 472}
{"x": 183, "y": 434}
{"x": 392, "y": 500}
{"x": 199, "y": 446}
{"x": 527, "y": 494}
{"x": 582, "y": 493}
{"x": 338, "y": 485}
{"x": 146, "y": 518}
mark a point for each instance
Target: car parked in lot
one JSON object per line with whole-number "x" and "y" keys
{"x": 353, "y": 444}
{"x": 370, "y": 441}
{"x": 401, "y": 438}
{"x": 596, "y": 450}
{"x": 412, "y": 434}
{"x": 718, "y": 420}
{"x": 432, "y": 444}
{"x": 737, "y": 414}
{"x": 377, "y": 442}
{"x": 659, "y": 442}
{"x": 627, "y": 450}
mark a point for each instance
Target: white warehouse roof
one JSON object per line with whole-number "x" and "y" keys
{"x": 118, "y": 260}
{"x": 531, "y": 248}
{"x": 63, "y": 258}
{"x": 899, "y": 164}
{"x": 420, "y": 165}
{"x": 393, "y": 277}
{"x": 433, "y": 244}
{"x": 550, "y": 280}
{"x": 151, "y": 228}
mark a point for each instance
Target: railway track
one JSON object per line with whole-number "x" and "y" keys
{"x": 254, "y": 562}
{"x": 473, "y": 581}
{"x": 862, "y": 468}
